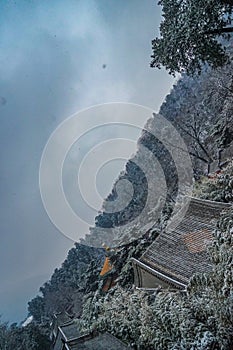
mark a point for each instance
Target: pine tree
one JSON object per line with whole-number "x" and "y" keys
{"x": 189, "y": 35}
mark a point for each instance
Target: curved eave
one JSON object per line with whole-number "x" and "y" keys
{"x": 155, "y": 273}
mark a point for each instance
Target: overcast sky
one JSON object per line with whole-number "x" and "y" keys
{"x": 58, "y": 57}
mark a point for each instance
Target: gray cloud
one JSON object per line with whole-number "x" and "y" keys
{"x": 52, "y": 57}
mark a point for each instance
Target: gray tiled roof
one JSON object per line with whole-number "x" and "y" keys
{"x": 104, "y": 341}
{"x": 58, "y": 319}
{"x": 182, "y": 252}
{"x": 70, "y": 330}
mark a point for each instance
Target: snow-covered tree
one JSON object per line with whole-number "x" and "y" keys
{"x": 189, "y": 34}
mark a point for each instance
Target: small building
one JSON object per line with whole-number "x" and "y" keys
{"x": 59, "y": 319}
{"x": 67, "y": 336}
{"x": 175, "y": 256}
{"x": 66, "y": 333}
{"x": 96, "y": 341}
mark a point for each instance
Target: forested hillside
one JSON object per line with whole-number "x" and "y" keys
{"x": 201, "y": 319}
{"x": 200, "y": 107}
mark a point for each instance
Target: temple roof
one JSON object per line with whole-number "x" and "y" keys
{"x": 69, "y": 331}
{"x": 69, "y": 337}
{"x": 180, "y": 253}
{"x": 97, "y": 342}
{"x": 58, "y": 319}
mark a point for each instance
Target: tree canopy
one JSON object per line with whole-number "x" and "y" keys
{"x": 190, "y": 35}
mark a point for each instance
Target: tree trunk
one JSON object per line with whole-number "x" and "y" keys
{"x": 227, "y": 2}
{"x": 220, "y": 31}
